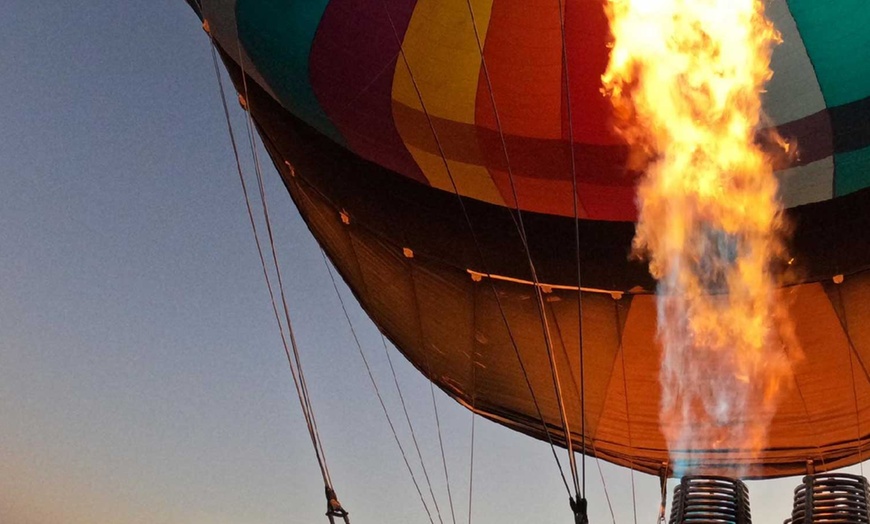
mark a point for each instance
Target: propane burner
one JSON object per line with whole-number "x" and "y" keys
{"x": 699, "y": 499}
{"x": 832, "y": 499}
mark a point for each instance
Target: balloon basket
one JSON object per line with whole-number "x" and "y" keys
{"x": 705, "y": 499}
{"x": 832, "y": 499}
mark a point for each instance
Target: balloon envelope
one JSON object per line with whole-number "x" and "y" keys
{"x": 381, "y": 115}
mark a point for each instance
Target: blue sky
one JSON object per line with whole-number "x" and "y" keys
{"x": 142, "y": 378}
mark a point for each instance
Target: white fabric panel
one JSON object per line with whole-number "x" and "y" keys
{"x": 794, "y": 91}
{"x": 806, "y": 184}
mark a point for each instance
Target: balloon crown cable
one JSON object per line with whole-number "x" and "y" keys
{"x": 831, "y": 498}
{"x": 702, "y": 499}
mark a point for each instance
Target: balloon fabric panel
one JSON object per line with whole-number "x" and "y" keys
{"x": 844, "y": 78}
{"x": 442, "y": 51}
{"x": 832, "y": 33}
{"x": 354, "y": 54}
{"x": 278, "y": 34}
{"x": 446, "y": 320}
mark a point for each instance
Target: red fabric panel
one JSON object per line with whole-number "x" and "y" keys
{"x": 587, "y": 59}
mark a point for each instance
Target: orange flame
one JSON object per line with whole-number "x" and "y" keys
{"x": 685, "y": 78}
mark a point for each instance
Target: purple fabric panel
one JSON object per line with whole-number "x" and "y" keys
{"x": 813, "y": 135}
{"x": 352, "y": 62}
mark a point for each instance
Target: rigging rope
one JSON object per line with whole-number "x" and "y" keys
{"x": 473, "y": 361}
{"x": 521, "y": 230}
{"x": 419, "y": 321}
{"x": 845, "y": 325}
{"x": 377, "y": 391}
{"x": 262, "y": 191}
{"x": 471, "y": 466}
{"x": 809, "y": 420}
{"x": 431, "y": 377}
{"x": 575, "y": 202}
{"x": 627, "y": 412}
{"x": 593, "y": 447}
{"x": 478, "y": 248}
{"x": 606, "y": 493}
{"x": 857, "y": 415}
{"x": 306, "y": 408}
{"x": 410, "y": 426}
{"x": 375, "y": 386}
{"x": 441, "y": 444}
{"x": 663, "y": 484}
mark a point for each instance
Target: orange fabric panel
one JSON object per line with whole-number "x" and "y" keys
{"x": 523, "y": 55}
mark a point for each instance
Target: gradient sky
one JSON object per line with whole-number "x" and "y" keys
{"x": 142, "y": 378}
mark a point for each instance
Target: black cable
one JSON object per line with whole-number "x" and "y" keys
{"x": 472, "y": 360}
{"x": 851, "y": 348}
{"x": 441, "y": 444}
{"x": 479, "y": 250}
{"x": 305, "y": 408}
{"x": 375, "y": 386}
{"x": 261, "y": 186}
{"x": 521, "y": 230}
{"x": 410, "y": 426}
{"x": 627, "y": 412}
{"x": 419, "y": 321}
{"x": 576, "y": 208}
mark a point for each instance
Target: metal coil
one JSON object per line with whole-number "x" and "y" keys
{"x": 710, "y": 500}
{"x": 831, "y": 499}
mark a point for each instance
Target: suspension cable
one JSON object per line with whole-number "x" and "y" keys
{"x": 419, "y": 321}
{"x": 441, "y": 444}
{"x": 265, "y": 207}
{"x": 473, "y": 361}
{"x": 471, "y": 466}
{"x": 306, "y": 408}
{"x": 575, "y": 202}
{"x": 606, "y": 492}
{"x": 410, "y": 425}
{"x": 851, "y": 348}
{"x": 479, "y": 250}
{"x": 627, "y": 412}
{"x": 592, "y": 445}
{"x": 521, "y": 230}
{"x": 375, "y": 386}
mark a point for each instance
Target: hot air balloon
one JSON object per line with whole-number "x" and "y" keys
{"x": 457, "y": 162}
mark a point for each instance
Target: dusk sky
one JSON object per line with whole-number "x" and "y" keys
{"x": 142, "y": 379}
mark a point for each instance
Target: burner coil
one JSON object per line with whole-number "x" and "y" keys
{"x": 702, "y": 499}
{"x": 831, "y": 499}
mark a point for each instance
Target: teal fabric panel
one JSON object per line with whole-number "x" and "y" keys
{"x": 852, "y": 171}
{"x": 836, "y": 34}
{"x": 277, "y": 35}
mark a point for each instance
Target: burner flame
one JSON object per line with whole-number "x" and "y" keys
{"x": 685, "y": 79}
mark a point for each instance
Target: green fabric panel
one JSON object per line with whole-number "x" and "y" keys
{"x": 852, "y": 171}
{"x": 278, "y": 34}
{"x": 836, "y": 34}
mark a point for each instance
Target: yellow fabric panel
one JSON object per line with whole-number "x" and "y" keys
{"x": 471, "y": 180}
{"x": 442, "y": 51}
